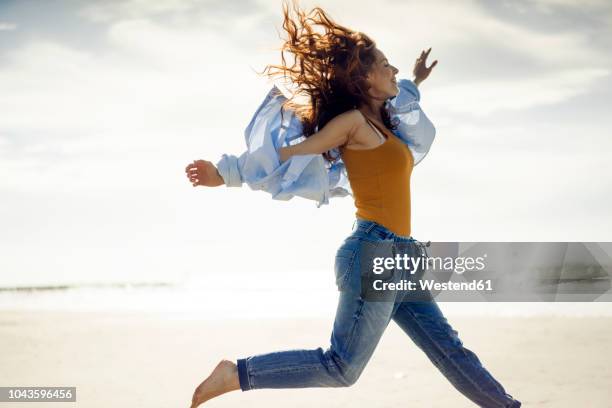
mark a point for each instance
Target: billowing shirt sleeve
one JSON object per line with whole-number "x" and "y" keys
{"x": 413, "y": 127}
{"x": 271, "y": 128}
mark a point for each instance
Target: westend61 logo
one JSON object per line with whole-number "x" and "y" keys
{"x": 458, "y": 264}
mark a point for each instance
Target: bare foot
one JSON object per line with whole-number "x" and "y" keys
{"x": 224, "y": 378}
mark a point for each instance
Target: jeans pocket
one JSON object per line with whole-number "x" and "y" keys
{"x": 345, "y": 257}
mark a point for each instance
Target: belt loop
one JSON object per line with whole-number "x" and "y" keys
{"x": 370, "y": 227}
{"x": 354, "y": 222}
{"x": 423, "y": 246}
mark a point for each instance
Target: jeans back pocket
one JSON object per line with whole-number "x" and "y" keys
{"x": 345, "y": 258}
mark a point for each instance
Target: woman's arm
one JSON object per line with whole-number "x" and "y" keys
{"x": 335, "y": 133}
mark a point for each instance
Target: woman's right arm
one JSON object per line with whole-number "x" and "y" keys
{"x": 335, "y": 133}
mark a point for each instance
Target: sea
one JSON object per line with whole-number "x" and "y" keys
{"x": 236, "y": 296}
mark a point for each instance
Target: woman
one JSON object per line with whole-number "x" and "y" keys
{"x": 349, "y": 83}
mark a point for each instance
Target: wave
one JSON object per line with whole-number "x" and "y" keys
{"x": 111, "y": 285}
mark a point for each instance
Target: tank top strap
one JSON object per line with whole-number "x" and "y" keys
{"x": 373, "y": 126}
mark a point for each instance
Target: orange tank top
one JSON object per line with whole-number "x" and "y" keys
{"x": 380, "y": 180}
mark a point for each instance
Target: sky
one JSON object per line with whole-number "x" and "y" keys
{"x": 104, "y": 103}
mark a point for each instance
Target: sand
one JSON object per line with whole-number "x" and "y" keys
{"x": 150, "y": 360}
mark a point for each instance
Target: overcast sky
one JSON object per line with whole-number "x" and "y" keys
{"x": 104, "y": 103}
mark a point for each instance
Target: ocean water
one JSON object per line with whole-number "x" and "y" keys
{"x": 232, "y": 296}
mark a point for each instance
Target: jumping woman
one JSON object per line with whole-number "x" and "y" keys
{"x": 357, "y": 109}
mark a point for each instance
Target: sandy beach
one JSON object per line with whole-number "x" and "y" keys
{"x": 140, "y": 359}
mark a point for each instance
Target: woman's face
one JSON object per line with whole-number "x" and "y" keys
{"x": 382, "y": 77}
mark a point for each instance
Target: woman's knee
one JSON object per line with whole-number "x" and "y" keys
{"x": 348, "y": 368}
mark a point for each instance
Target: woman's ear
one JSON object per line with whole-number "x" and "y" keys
{"x": 368, "y": 80}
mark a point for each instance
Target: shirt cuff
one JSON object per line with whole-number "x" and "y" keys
{"x": 228, "y": 169}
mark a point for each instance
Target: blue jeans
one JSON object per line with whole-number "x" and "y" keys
{"x": 360, "y": 323}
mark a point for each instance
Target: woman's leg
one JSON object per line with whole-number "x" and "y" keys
{"x": 428, "y": 328}
{"x": 358, "y": 327}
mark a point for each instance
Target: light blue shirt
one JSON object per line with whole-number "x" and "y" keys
{"x": 311, "y": 176}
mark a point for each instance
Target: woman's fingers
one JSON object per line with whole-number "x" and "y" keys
{"x": 197, "y": 163}
{"x": 193, "y": 177}
{"x": 191, "y": 171}
{"x": 421, "y": 69}
{"x": 423, "y": 57}
{"x": 198, "y": 177}
{"x": 191, "y": 165}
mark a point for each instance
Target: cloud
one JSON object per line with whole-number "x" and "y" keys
{"x": 145, "y": 69}
{"x": 178, "y": 11}
{"x": 150, "y": 91}
{"x": 481, "y": 98}
{"x": 550, "y": 6}
{"x": 111, "y": 11}
{"x": 7, "y": 26}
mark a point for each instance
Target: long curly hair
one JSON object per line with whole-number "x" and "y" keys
{"x": 329, "y": 68}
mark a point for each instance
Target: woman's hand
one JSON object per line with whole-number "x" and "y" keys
{"x": 203, "y": 173}
{"x": 421, "y": 71}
